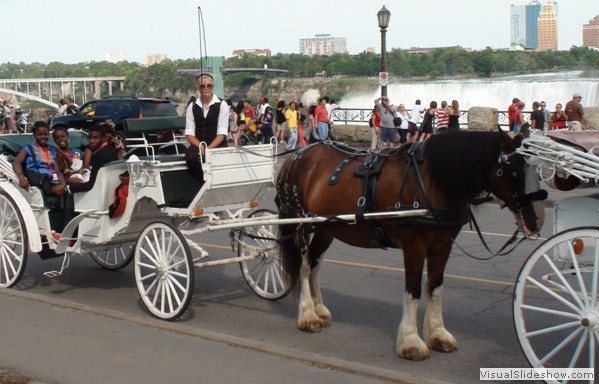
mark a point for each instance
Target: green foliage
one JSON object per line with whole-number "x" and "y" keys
{"x": 164, "y": 79}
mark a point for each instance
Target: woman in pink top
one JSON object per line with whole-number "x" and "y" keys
{"x": 442, "y": 118}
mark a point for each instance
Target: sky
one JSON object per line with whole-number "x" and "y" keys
{"x": 75, "y": 31}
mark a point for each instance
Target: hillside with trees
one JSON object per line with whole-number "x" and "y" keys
{"x": 161, "y": 80}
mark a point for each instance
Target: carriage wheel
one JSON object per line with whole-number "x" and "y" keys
{"x": 164, "y": 271}
{"x": 113, "y": 258}
{"x": 264, "y": 274}
{"x": 13, "y": 242}
{"x": 556, "y": 303}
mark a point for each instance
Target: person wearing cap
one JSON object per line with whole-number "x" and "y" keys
{"x": 206, "y": 120}
{"x": 575, "y": 113}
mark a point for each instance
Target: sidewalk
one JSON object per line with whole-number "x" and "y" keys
{"x": 60, "y": 342}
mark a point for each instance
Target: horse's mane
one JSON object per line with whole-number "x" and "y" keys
{"x": 459, "y": 162}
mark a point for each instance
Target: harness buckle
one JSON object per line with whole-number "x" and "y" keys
{"x": 416, "y": 205}
{"x": 361, "y": 201}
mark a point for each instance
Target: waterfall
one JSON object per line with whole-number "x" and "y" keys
{"x": 498, "y": 93}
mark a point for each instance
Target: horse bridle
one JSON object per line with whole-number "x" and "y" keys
{"x": 515, "y": 173}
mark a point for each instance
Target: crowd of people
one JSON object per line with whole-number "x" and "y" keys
{"x": 388, "y": 121}
{"x": 291, "y": 124}
{"x": 571, "y": 117}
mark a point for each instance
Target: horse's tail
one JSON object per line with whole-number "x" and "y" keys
{"x": 290, "y": 256}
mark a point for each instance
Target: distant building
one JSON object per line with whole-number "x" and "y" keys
{"x": 114, "y": 57}
{"x": 154, "y": 58}
{"x": 524, "y": 23}
{"x": 257, "y": 52}
{"x": 322, "y": 44}
{"x": 547, "y": 27}
{"x": 590, "y": 33}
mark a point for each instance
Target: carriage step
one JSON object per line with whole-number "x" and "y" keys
{"x": 65, "y": 265}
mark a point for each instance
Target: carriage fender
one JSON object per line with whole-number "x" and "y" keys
{"x": 30, "y": 222}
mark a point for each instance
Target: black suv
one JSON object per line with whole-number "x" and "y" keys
{"x": 116, "y": 109}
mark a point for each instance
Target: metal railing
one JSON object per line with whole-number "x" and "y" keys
{"x": 361, "y": 116}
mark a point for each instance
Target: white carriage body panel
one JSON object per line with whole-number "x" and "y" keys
{"x": 576, "y": 211}
{"x": 30, "y": 219}
{"x": 235, "y": 176}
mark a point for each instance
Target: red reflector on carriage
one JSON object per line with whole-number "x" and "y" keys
{"x": 578, "y": 246}
{"x": 254, "y": 204}
{"x": 198, "y": 212}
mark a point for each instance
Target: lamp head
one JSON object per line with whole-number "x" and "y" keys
{"x": 383, "y": 16}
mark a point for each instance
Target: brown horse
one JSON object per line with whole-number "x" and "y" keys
{"x": 445, "y": 177}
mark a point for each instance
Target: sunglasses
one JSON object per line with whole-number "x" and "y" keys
{"x": 206, "y": 86}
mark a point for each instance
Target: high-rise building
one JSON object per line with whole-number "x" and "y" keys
{"x": 524, "y": 24}
{"x": 547, "y": 30}
{"x": 518, "y": 25}
{"x": 533, "y": 10}
{"x": 590, "y": 33}
{"x": 322, "y": 44}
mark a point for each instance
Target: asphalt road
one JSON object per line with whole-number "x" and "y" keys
{"x": 89, "y": 325}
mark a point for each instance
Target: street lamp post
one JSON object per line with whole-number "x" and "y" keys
{"x": 383, "y": 17}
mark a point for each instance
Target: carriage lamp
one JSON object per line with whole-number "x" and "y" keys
{"x": 577, "y": 245}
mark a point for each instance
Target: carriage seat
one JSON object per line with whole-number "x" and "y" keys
{"x": 102, "y": 193}
{"x": 140, "y": 137}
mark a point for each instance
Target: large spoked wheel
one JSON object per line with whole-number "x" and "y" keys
{"x": 114, "y": 258}
{"x": 263, "y": 274}
{"x": 556, "y": 304}
{"x": 13, "y": 242}
{"x": 164, "y": 271}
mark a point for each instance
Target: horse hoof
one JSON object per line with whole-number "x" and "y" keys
{"x": 442, "y": 341}
{"x": 412, "y": 348}
{"x": 414, "y": 354}
{"x": 442, "y": 345}
{"x": 309, "y": 327}
{"x": 325, "y": 321}
{"x": 324, "y": 315}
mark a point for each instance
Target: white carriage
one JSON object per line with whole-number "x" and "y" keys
{"x": 165, "y": 205}
{"x": 556, "y": 300}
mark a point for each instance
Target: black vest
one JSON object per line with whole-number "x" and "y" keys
{"x": 206, "y": 127}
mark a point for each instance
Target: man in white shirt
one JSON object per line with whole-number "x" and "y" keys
{"x": 206, "y": 120}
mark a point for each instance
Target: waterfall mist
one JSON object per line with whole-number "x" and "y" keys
{"x": 552, "y": 88}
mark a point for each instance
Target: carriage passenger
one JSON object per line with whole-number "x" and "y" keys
{"x": 102, "y": 153}
{"x": 35, "y": 163}
{"x": 69, "y": 160}
{"x": 207, "y": 120}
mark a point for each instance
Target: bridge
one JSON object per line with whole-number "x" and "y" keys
{"x": 47, "y": 90}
